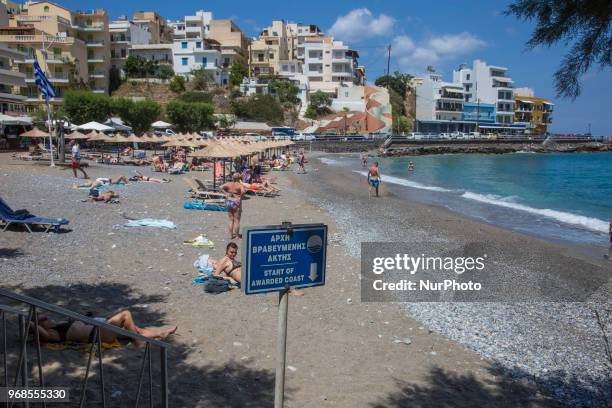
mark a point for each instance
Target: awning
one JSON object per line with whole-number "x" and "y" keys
{"x": 548, "y": 103}
{"x": 160, "y": 124}
{"x": 95, "y": 126}
{"x": 522, "y": 101}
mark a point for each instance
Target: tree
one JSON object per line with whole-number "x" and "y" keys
{"x": 177, "y": 84}
{"x": 114, "y": 79}
{"x": 164, "y": 72}
{"x": 401, "y": 124}
{"x": 132, "y": 66}
{"x": 190, "y": 117}
{"x": 225, "y": 122}
{"x": 319, "y": 103}
{"x": 286, "y": 91}
{"x": 83, "y": 106}
{"x": 137, "y": 114}
{"x": 194, "y": 96}
{"x": 261, "y": 108}
{"x": 311, "y": 112}
{"x": 237, "y": 73}
{"x": 201, "y": 79}
{"x": 586, "y": 23}
{"x": 398, "y": 82}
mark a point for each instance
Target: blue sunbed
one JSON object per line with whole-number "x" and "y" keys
{"x": 23, "y": 217}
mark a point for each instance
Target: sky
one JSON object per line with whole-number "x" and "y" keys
{"x": 442, "y": 33}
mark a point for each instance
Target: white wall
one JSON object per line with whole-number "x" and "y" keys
{"x": 194, "y": 57}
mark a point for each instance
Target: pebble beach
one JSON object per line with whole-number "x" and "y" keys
{"x": 342, "y": 352}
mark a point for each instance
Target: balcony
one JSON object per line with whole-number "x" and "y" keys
{"x": 95, "y": 59}
{"x": 13, "y": 97}
{"x": 36, "y": 38}
{"x": 94, "y": 27}
{"x": 94, "y": 43}
{"x": 13, "y": 74}
{"x": 97, "y": 74}
{"x": 35, "y": 19}
{"x": 57, "y": 77}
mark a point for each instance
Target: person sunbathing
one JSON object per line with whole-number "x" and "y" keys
{"x": 108, "y": 196}
{"x": 159, "y": 164}
{"x": 265, "y": 186}
{"x": 140, "y": 177}
{"x": 79, "y": 332}
{"x": 104, "y": 181}
{"x": 228, "y": 267}
{"x": 135, "y": 162}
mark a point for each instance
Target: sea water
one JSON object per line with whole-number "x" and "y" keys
{"x": 558, "y": 196}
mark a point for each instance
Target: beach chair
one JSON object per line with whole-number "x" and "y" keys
{"x": 23, "y": 217}
{"x": 204, "y": 194}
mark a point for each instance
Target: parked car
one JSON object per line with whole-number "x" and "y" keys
{"x": 168, "y": 132}
{"x": 257, "y": 136}
{"x": 304, "y": 136}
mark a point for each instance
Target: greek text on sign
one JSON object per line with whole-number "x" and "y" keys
{"x": 275, "y": 258}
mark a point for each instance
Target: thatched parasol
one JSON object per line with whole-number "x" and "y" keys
{"x": 179, "y": 143}
{"x": 98, "y": 137}
{"x": 76, "y": 136}
{"x": 34, "y": 133}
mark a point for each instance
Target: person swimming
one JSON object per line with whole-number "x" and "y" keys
{"x": 411, "y": 166}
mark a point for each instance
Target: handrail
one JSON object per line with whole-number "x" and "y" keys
{"x": 84, "y": 319}
{"x": 13, "y": 310}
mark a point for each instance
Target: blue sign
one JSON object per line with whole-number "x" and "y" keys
{"x": 275, "y": 257}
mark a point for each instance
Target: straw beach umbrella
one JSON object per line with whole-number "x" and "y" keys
{"x": 34, "y": 133}
{"x": 216, "y": 151}
{"x": 76, "y": 136}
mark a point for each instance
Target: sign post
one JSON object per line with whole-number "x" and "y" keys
{"x": 277, "y": 259}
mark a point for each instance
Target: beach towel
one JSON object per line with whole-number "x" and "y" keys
{"x": 197, "y": 205}
{"x": 200, "y": 240}
{"x": 203, "y": 261}
{"x": 150, "y": 222}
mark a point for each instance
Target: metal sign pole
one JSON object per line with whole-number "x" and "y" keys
{"x": 281, "y": 349}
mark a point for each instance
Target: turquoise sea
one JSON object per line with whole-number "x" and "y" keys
{"x": 558, "y": 196}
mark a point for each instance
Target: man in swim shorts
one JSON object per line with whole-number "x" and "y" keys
{"x": 373, "y": 179}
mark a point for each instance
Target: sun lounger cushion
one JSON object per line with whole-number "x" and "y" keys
{"x": 196, "y": 205}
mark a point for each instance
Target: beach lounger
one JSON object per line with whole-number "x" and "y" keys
{"x": 23, "y": 217}
{"x": 203, "y": 194}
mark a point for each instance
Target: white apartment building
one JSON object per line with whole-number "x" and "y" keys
{"x": 124, "y": 34}
{"x": 488, "y": 84}
{"x": 296, "y": 33}
{"x": 439, "y": 105}
{"x": 329, "y": 64}
{"x": 192, "y": 26}
{"x": 195, "y": 53}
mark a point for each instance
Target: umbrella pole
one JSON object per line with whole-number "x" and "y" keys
{"x": 224, "y": 169}
{"x": 214, "y": 175}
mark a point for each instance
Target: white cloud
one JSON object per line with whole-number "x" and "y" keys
{"x": 360, "y": 24}
{"x": 462, "y": 43}
{"x": 413, "y": 56}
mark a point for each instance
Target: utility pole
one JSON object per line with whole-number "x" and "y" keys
{"x": 388, "y": 81}
{"x": 478, "y": 115}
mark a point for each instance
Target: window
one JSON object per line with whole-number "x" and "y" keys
{"x": 271, "y": 55}
{"x": 467, "y": 77}
{"x": 46, "y": 9}
{"x": 184, "y": 45}
{"x": 260, "y": 57}
{"x": 57, "y": 52}
{"x": 184, "y": 61}
{"x": 204, "y": 61}
{"x": 198, "y": 44}
{"x": 123, "y": 53}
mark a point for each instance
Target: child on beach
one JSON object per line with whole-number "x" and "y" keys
{"x": 373, "y": 179}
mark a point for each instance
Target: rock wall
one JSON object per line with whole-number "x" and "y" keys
{"x": 340, "y": 146}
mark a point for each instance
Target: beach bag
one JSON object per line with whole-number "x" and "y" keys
{"x": 216, "y": 286}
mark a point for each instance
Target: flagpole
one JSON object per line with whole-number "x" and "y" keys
{"x": 44, "y": 54}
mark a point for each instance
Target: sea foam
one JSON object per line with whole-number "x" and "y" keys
{"x": 408, "y": 183}
{"x": 590, "y": 223}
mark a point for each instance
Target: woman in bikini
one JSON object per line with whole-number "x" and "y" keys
{"x": 233, "y": 201}
{"x": 140, "y": 177}
{"x": 79, "y": 332}
{"x": 229, "y": 265}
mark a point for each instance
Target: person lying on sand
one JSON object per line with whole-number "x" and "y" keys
{"x": 228, "y": 268}
{"x": 104, "y": 181}
{"x": 79, "y": 332}
{"x": 106, "y": 196}
{"x": 140, "y": 177}
{"x": 265, "y": 186}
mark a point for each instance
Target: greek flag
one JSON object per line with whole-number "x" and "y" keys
{"x": 44, "y": 86}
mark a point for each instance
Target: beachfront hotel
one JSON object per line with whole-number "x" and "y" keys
{"x": 533, "y": 112}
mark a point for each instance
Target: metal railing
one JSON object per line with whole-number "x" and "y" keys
{"x": 24, "y": 321}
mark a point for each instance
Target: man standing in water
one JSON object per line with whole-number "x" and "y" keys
{"x": 373, "y": 179}
{"x": 609, "y": 256}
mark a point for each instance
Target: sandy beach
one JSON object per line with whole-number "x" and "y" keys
{"x": 341, "y": 352}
